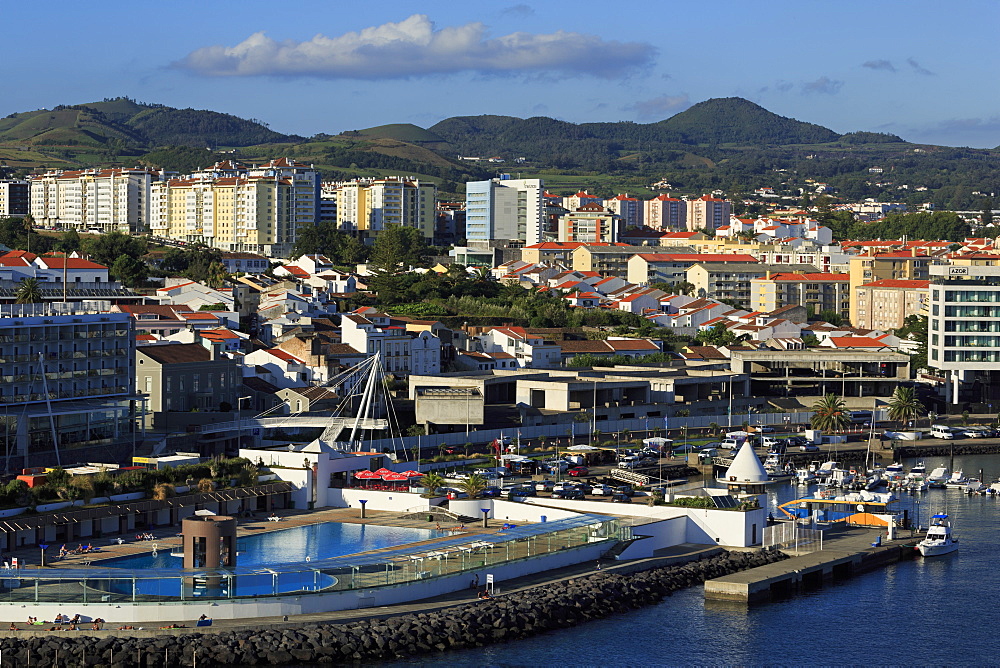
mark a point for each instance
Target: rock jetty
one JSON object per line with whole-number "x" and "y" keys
{"x": 482, "y": 622}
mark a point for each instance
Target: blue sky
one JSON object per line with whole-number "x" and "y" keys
{"x": 923, "y": 70}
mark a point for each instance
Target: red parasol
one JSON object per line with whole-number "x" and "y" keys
{"x": 366, "y": 475}
{"x": 412, "y": 474}
{"x": 394, "y": 477}
{"x": 383, "y": 471}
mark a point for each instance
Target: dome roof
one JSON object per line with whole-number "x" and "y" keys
{"x": 746, "y": 466}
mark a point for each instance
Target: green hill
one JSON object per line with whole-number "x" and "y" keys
{"x": 733, "y": 120}
{"x": 407, "y": 132}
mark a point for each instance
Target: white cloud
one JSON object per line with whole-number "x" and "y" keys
{"x": 660, "y": 108}
{"x": 824, "y": 85}
{"x": 414, "y": 47}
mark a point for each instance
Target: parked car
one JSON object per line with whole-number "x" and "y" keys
{"x": 625, "y": 489}
{"x": 578, "y": 471}
{"x": 809, "y": 447}
{"x": 602, "y": 490}
{"x": 522, "y": 491}
{"x": 544, "y": 485}
{"x": 620, "y": 498}
{"x": 576, "y": 494}
{"x": 796, "y": 441}
{"x": 491, "y": 492}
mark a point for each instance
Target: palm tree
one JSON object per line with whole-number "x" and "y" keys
{"x": 474, "y": 485}
{"x": 904, "y": 405}
{"x": 829, "y": 414}
{"x": 28, "y": 292}
{"x": 433, "y": 481}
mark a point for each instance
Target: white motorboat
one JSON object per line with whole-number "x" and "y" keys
{"x": 975, "y": 486}
{"x": 957, "y": 480}
{"x": 939, "y": 539}
{"x": 938, "y": 477}
{"x": 804, "y": 477}
{"x": 919, "y": 470}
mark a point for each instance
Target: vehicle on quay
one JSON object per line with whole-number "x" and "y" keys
{"x": 942, "y": 431}
{"x": 809, "y": 447}
{"x": 602, "y": 490}
{"x": 976, "y": 432}
{"x": 544, "y": 485}
{"x": 578, "y": 471}
{"x": 860, "y": 417}
{"x": 570, "y": 493}
{"x": 940, "y": 539}
{"x": 620, "y": 498}
{"x": 708, "y": 452}
{"x": 491, "y": 492}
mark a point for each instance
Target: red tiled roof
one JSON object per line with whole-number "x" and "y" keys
{"x": 856, "y": 342}
{"x": 898, "y": 283}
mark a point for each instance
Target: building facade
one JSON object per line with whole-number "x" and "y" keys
{"x": 817, "y": 291}
{"x": 238, "y": 208}
{"x": 505, "y": 208}
{"x": 707, "y": 213}
{"x": 15, "y": 198}
{"x": 665, "y": 213}
{"x": 590, "y": 223}
{"x": 67, "y": 389}
{"x": 884, "y": 305}
{"x": 97, "y": 200}
{"x": 369, "y": 206}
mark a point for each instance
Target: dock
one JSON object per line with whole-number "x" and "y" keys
{"x": 846, "y": 552}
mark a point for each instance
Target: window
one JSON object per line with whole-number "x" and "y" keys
{"x": 149, "y": 384}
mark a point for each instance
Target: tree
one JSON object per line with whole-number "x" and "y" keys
{"x": 129, "y": 270}
{"x": 829, "y": 414}
{"x": 398, "y": 248}
{"x": 107, "y": 248}
{"x": 68, "y": 242}
{"x": 904, "y": 405}
{"x": 432, "y": 482}
{"x": 831, "y": 317}
{"x": 719, "y": 335}
{"x": 28, "y": 292}
{"x": 216, "y": 274}
{"x": 810, "y": 340}
{"x": 474, "y": 485}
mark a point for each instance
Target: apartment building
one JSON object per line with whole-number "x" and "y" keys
{"x": 612, "y": 259}
{"x": 665, "y": 213}
{"x": 238, "y": 208}
{"x": 732, "y": 281}
{"x": 368, "y": 206}
{"x": 505, "y": 209}
{"x": 93, "y": 200}
{"x": 590, "y": 223}
{"x": 183, "y": 377}
{"x": 964, "y": 330}
{"x": 15, "y": 198}
{"x": 629, "y": 209}
{"x": 402, "y": 351}
{"x": 649, "y": 268}
{"x": 817, "y": 291}
{"x": 68, "y": 385}
{"x": 910, "y": 265}
{"x": 884, "y": 305}
{"x": 707, "y": 213}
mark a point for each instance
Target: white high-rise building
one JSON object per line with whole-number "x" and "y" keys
{"x": 103, "y": 200}
{"x": 373, "y": 205}
{"x": 505, "y": 209}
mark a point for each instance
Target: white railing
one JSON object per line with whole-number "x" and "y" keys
{"x": 793, "y": 537}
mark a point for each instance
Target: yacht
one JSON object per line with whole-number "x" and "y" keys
{"x": 918, "y": 470}
{"x": 938, "y": 477}
{"x": 939, "y": 539}
{"x": 957, "y": 480}
{"x": 804, "y": 476}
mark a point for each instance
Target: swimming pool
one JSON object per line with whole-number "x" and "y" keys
{"x": 306, "y": 543}
{"x": 284, "y": 546}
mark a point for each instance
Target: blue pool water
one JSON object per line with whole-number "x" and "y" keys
{"x": 272, "y": 548}
{"x": 286, "y": 546}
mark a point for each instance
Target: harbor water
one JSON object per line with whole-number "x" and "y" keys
{"x": 936, "y": 611}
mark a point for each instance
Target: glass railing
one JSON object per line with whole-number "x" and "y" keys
{"x": 387, "y": 568}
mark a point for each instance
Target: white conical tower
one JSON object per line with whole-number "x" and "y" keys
{"x": 746, "y": 466}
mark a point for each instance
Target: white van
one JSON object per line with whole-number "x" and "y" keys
{"x": 941, "y": 431}
{"x": 731, "y": 443}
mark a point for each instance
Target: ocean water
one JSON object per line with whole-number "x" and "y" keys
{"x": 939, "y": 611}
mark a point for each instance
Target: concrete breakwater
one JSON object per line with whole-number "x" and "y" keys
{"x": 510, "y": 617}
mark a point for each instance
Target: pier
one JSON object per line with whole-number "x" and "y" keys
{"x": 846, "y": 552}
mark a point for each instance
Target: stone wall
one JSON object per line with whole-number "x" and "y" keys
{"x": 510, "y": 617}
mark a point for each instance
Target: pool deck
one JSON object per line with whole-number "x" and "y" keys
{"x": 678, "y": 554}
{"x": 167, "y": 538}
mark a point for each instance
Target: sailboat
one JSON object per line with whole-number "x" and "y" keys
{"x": 940, "y": 539}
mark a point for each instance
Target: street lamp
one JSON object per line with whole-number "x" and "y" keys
{"x": 239, "y": 417}
{"x": 43, "y": 547}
